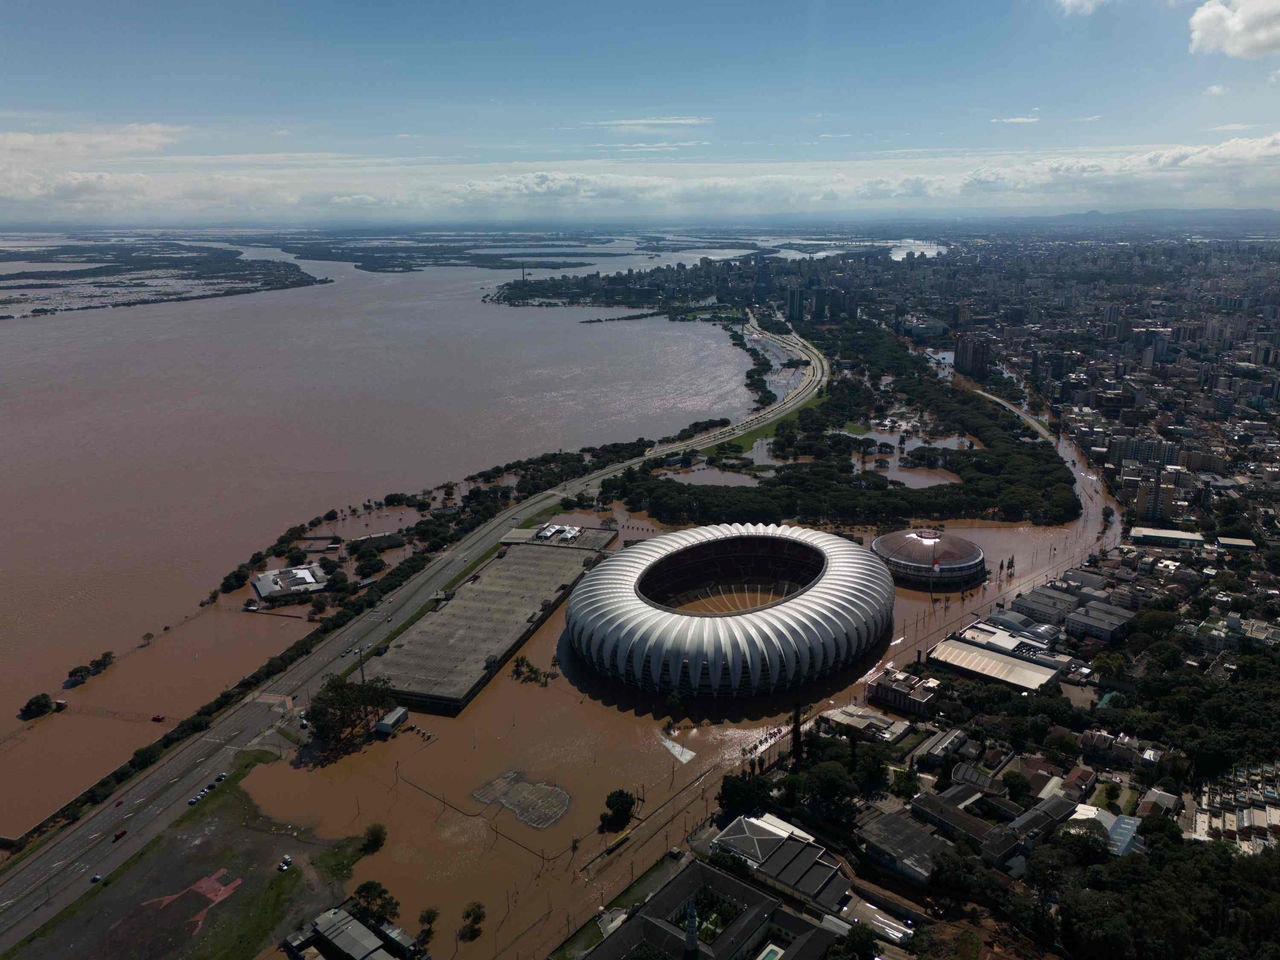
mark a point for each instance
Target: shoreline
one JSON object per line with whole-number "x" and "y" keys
{"x": 315, "y": 635}
{"x": 30, "y": 729}
{"x": 92, "y": 577}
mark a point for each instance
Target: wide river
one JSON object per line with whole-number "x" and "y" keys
{"x": 146, "y": 451}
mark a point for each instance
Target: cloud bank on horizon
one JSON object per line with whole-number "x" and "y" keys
{"x": 1050, "y": 120}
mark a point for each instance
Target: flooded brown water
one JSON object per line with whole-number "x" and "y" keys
{"x": 588, "y": 738}
{"x": 149, "y": 450}
{"x": 445, "y": 848}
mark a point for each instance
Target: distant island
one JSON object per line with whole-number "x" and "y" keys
{"x": 91, "y": 275}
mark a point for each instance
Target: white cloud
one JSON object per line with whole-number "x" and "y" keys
{"x": 1229, "y": 127}
{"x": 1080, "y": 6}
{"x": 1215, "y": 90}
{"x": 133, "y": 138}
{"x": 1238, "y": 28}
{"x": 1090, "y": 119}
{"x": 109, "y": 184}
{"x": 834, "y": 136}
{"x": 649, "y": 125}
{"x": 1275, "y": 76}
{"x": 665, "y": 145}
{"x": 652, "y": 122}
{"x": 282, "y": 133}
{"x": 1015, "y": 119}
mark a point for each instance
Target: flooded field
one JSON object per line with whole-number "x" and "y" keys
{"x": 109, "y": 717}
{"x": 446, "y": 848}
{"x": 711, "y": 476}
{"x": 587, "y": 737}
{"x": 149, "y": 450}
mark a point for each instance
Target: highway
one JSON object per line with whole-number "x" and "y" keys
{"x": 54, "y": 876}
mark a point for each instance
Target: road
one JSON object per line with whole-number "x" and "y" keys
{"x": 54, "y": 876}
{"x": 1079, "y": 540}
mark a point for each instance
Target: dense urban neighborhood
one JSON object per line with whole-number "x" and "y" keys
{"x": 964, "y": 642}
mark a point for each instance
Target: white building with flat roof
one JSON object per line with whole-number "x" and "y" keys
{"x": 290, "y": 581}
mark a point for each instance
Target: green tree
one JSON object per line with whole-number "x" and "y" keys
{"x": 740, "y": 794}
{"x": 905, "y": 784}
{"x": 472, "y": 917}
{"x": 1110, "y": 794}
{"x": 144, "y": 757}
{"x": 858, "y": 944}
{"x": 620, "y": 804}
{"x": 870, "y": 766}
{"x": 1109, "y": 665}
{"x": 340, "y": 712}
{"x": 1157, "y": 623}
{"x": 78, "y": 675}
{"x": 830, "y": 781}
{"x": 369, "y": 566}
{"x": 377, "y": 901}
{"x": 427, "y": 921}
{"x": 1019, "y": 787}
{"x": 37, "y": 706}
{"x": 375, "y": 835}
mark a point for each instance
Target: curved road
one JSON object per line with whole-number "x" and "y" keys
{"x": 1080, "y": 539}
{"x": 54, "y": 876}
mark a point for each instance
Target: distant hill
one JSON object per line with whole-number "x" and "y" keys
{"x": 1180, "y": 219}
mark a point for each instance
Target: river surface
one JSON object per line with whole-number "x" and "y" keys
{"x": 148, "y": 450}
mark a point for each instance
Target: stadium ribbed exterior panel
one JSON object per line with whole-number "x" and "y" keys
{"x": 826, "y": 601}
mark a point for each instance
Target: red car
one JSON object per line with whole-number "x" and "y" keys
{"x": 119, "y": 834}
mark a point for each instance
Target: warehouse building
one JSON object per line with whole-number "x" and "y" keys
{"x": 991, "y": 665}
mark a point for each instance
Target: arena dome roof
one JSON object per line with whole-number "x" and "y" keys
{"x": 731, "y": 609}
{"x": 924, "y": 555}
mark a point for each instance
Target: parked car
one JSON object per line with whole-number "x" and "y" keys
{"x": 119, "y": 834}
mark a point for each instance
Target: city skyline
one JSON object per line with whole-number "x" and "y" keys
{"x": 566, "y": 112}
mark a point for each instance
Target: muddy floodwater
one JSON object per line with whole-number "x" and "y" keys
{"x": 446, "y": 848}
{"x": 149, "y": 450}
{"x": 587, "y": 737}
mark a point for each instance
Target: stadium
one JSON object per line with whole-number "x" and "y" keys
{"x": 931, "y": 559}
{"x": 731, "y": 610}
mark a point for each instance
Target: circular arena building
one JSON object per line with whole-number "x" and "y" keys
{"x": 931, "y": 559}
{"x": 731, "y": 610}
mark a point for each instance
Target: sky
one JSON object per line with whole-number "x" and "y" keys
{"x": 286, "y": 113}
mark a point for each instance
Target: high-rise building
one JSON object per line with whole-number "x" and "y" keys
{"x": 973, "y": 354}
{"x": 795, "y": 305}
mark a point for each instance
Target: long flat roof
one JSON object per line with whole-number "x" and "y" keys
{"x": 1157, "y": 533}
{"x": 988, "y": 663}
{"x": 440, "y": 662}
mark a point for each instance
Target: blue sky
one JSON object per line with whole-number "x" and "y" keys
{"x": 241, "y": 112}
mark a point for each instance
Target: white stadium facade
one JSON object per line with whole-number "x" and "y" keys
{"x": 731, "y": 610}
